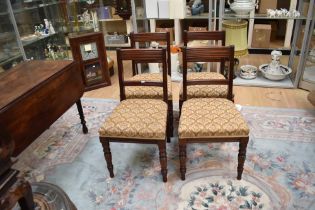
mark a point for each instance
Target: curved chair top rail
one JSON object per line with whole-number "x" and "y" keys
{"x": 204, "y": 35}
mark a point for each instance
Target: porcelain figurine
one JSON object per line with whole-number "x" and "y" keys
{"x": 46, "y": 26}
{"x": 51, "y": 28}
{"x": 95, "y": 21}
{"x": 86, "y": 18}
{"x": 283, "y": 13}
{"x": 197, "y": 7}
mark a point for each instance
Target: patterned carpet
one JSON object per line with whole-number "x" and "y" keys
{"x": 279, "y": 170}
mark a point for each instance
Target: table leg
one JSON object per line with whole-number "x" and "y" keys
{"x": 80, "y": 110}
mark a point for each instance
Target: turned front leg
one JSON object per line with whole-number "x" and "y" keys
{"x": 182, "y": 158}
{"x": 171, "y": 117}
{"x": 26, "y": 201}
{"x": 108, "y": 156}
{"x": 80, "y": 110}
{"x": 241, "y": 157}
{"x": 163, "y": 160}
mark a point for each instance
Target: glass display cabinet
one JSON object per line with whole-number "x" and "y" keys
{"x": 10, "y": 53}
{"x": 257, "y": 31}
{"x": 274, "y": 28}
{"x": 31, "y": 29}
{"x": 307, "y": 76}
{"x": 98, "y": 15}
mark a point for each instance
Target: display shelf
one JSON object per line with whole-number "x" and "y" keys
{"x": 4, "y": 13}
{"x": 110, "y": 20}
{"x": 118, "y": 45}
{"x": 260, "y": 16}
{"x": 145, "y": 18}
{"x": 260, "y": 81}
{"x": 26, "y": 43}
{"x": 201, "y": 16}
{"x": 27, "y": 9}
{"x": 12, "y": 58}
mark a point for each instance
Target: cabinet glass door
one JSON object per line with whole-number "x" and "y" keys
{"x": 41, "y": 28}
{"x": 308, "y": 77}
{"x": 10, "y": 53}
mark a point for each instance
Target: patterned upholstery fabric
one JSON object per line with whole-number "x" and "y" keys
{"x": 148, "y": 92}
{"x": 205, "y": 91}
{"x": 209, "y": 117}
{"x": 137, "y": 118}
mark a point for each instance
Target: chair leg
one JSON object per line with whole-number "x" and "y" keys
{"x": 180, "y": 106}
{"x": 171, "y": 117}
{"x": 163, "y": 160}
{"x": 26, "y": 202}
{"x": 168, "y": 128}
{"x": 108, "y": 156}
{"x": 241, "y": 157}
{"x": 182, "y": 158}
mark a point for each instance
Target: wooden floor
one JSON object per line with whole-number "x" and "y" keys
{"x": 248, "y": 96}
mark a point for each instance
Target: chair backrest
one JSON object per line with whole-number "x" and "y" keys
{"x": 204, "y": 35}
{"x": 141, "y": 56}
{"x": 209, "y": 54}
{"x": 150, "y": 37}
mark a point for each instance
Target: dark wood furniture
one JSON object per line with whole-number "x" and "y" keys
{"x": 206, "y": 112}
{"x": 34, "y": 95}
{"x": 12, "y": 188}
{"x": 126, "y": 123}
{"x": 89, "y": 51}
{"x": 204, "y": 35}
{"x": 150, "y": 37}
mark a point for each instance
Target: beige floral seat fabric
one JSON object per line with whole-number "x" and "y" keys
{"x": 205, "y": 91}
{"x": 146, "y": 92}
{"x": 208, "y": 117}
{"x": 137, "y": 118}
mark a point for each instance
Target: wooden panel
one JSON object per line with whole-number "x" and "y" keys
{"x": 209, "y": 54}
{"x": 143, "y": 55}
{"x": 27, "y": 76}
{"x": 28, "y": 116}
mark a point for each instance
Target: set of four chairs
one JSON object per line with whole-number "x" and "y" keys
{"x": 207, "y": 111}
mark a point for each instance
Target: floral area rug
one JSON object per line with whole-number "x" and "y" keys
{"x": 279, "y": 170}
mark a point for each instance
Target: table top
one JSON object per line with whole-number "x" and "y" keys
{"x": 26, "y": 77}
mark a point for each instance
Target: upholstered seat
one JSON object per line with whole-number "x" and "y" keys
{"x": 138, "y": 119}
{"x": 208, "y": 118}
{"x": 148, "y": 92}
{"x": 205, "y": 91}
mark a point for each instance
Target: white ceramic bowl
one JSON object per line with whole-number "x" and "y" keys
{"x": 242, "y": 8}
{"x": 248, "y": 72}
{"x": 285, "y": 69}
